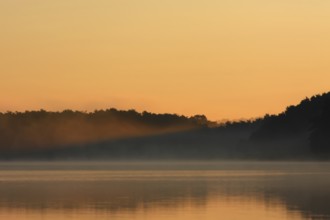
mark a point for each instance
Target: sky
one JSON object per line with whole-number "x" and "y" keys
{"x": 227, "y": 59}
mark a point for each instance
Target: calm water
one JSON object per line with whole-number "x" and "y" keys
{"x": 167, "y": 190}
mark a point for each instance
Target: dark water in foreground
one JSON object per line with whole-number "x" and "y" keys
{"x": 167, "y": 190}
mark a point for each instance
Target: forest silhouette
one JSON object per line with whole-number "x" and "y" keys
{"x": 300, "y": 132}
{"x": 42, "y": 129}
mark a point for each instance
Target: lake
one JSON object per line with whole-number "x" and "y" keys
{"x": 164, "y": 190}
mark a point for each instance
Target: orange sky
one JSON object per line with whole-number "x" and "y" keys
{"x": 227, "y": 59}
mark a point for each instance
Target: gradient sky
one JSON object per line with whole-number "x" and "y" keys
{"x": 226, "y": 59}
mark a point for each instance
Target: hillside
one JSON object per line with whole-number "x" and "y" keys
{"x": 301, "y": 132}
{"x": 303, "y": 128}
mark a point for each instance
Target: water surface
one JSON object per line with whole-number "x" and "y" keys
{"x": 164, "y": 190}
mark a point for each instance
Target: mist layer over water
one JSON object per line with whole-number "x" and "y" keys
{"x": 164, "y": 190}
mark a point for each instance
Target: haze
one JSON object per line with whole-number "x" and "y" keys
{"x": 225, "y": 59}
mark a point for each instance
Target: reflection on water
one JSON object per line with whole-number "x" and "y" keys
{"x": 224, "y": 190}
